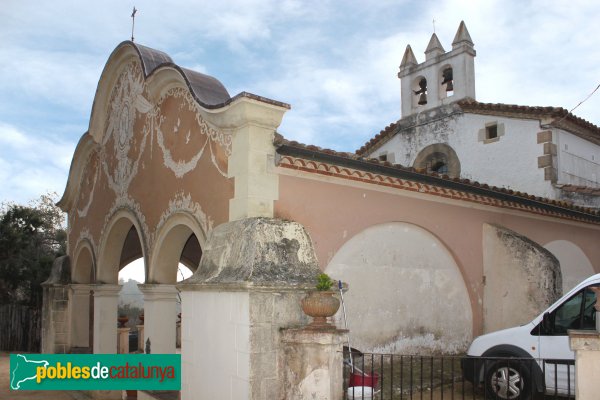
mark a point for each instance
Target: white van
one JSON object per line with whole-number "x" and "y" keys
{"x": 535, "y": 357}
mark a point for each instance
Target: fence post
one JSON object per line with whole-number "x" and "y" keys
{"x": 312, "y": 363}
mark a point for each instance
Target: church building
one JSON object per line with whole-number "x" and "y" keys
{"x": 544, "y": 151}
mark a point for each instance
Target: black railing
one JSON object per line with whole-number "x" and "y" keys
{"x": 390, "y": 376}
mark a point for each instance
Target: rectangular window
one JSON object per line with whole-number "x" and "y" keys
{"x": 383, "y": 157}
{"x": 491, "y": 132}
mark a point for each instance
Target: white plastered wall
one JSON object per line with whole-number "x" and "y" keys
{"x": 211, "y": 367}
{"x": 509, "y": 161}
{"x": 406, "y": 292}
{"x": 578, "y": 160}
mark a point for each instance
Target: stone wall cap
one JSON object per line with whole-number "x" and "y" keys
{"x": 191, "y": 286}
{"x": 584, "y": 340}
{"x": 312, "y": 336}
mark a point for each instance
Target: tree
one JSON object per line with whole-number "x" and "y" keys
{"x": 31, "y": 237}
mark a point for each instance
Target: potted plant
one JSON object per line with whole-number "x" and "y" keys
{"x": 320, "y": 303}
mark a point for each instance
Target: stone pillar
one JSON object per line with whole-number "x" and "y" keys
{"x": 251, "y": 279}
{"x": 312, "y": 364}
{"x": 123, "y": 343}
{"x": 55, "y": 311}
{"x": 106, "y": 301}
{"x": 55, "y": 336}
{"x": 160, "y": 314}
{"x": 586, "y": 345}
{"x": 253, "y": 124}
{"x": 79, "y": 303}
{"x": 140, "y": 345}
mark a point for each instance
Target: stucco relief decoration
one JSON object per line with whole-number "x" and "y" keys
{"x": 122, "y": 150}
{"x": 182, "y": 202}
{"x": 129, "y": 204}
{"x": 184, "y": 136}
{"x": 88, "y": 186}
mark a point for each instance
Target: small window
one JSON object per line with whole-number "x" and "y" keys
{"x": 491, "y": 132}
{"x": 383, "y": 157}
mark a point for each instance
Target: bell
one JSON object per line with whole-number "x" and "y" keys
{"x": 449, "y": 87}
{"x": 422, "y": 99}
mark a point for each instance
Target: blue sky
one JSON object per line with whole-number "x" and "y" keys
{"x": 335, "y": 62}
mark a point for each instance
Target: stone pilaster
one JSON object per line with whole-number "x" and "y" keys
{"x": 251, "y": 162}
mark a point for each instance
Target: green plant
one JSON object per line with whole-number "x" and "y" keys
{"x": 324, "y": 282}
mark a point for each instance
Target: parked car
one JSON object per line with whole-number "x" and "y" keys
{"x": 535, "y": 357}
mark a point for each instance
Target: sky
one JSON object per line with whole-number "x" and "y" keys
{"x": 335, "y": 62}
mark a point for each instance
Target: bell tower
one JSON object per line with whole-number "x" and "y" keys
{"x": 443, "y": 78}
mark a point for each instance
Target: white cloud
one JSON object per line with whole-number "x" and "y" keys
{"x": 335, "y": 63}
{"x": 31, "y": 165}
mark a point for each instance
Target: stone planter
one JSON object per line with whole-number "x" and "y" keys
{"x": 320, "y": 305}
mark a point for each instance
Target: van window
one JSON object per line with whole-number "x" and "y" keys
{"x": 576, "y": 313}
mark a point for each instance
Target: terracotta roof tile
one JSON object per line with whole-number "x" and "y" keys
{"x": 280, "y": 141}
{"x": 561, "y": 118}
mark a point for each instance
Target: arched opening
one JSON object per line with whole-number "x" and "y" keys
{"x": 81, "y": 302}
{"x": 446, "y": 82}
{"x": 83, "y": 267}
{"x": 405, "y": 290}
{"x": 120, "y": 247}
{"x": 419, "y": 88}
{"x": 439, "y": 158}
{"x": 179, "y": 242}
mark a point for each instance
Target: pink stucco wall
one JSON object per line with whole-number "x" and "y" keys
{"x": 333, "y": 211}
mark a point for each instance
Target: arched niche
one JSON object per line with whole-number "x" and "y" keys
{"x": 180, "y": 239}
{"x": 116, "y": 246}
{"x": 406, "y": 292}
{"x": 575, "y": 266}
{"x": 440, "y": 158}
{"x": 419, "y": 91}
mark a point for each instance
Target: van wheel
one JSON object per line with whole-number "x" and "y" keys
{"x": 508, "y": 380}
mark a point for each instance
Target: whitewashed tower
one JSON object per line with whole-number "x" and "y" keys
{"x": 443, "y": 77}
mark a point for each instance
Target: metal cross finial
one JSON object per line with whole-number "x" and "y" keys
{"x": 133, "y": 21}
{"x": 431, "y": 21}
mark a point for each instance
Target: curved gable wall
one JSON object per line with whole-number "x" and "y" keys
{"x": 151, "y": 150}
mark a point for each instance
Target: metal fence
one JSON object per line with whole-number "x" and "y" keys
{"x": 20, "y": 328}
{"x": 388, "y": 376}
